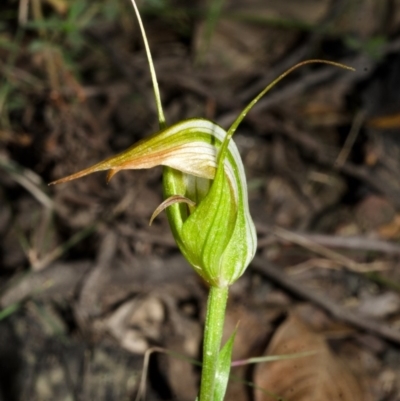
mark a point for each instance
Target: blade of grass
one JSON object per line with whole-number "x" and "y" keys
{"x": 213, "y": 14}
{"x": 4, "y": 313}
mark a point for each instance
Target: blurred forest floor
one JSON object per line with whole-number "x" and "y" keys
{"x": 86, "y": 286}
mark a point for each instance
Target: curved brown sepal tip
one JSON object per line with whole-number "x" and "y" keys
{"x": 74, "y": 176}
{"x": 111, "y": 174}
{"x": 168, "y": 202}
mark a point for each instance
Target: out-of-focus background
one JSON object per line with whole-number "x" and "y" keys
{"x": 86, "y": 286}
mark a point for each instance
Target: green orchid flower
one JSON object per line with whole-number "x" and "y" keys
{"x": 206, "y": 195}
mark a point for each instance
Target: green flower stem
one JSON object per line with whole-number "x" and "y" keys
{"x": 216, "y": 306}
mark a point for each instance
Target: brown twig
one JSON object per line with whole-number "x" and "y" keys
{"x": 323, "y": 157}
{"x": 334, "y": 241}
{"x": 358, "y": 122}
{"x": 319, "y": 249}
{"x": 274, "y": 274}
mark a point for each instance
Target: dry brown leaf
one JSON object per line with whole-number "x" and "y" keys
{"x": 318, "y": 377}
{"x": 60, "y": 6}
{"x": 391, "y": 121}
{"x": 390, "y": 231}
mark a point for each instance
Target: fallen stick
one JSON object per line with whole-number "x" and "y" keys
{"x": 275, "y": 274}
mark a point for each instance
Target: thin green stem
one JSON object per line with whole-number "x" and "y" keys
{"x": 241, "y": 116}
{"x": 157, "y": 96}
{"x": 216, "y": 306}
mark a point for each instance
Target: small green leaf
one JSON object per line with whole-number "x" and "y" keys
{"x": 223, "y": 369}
